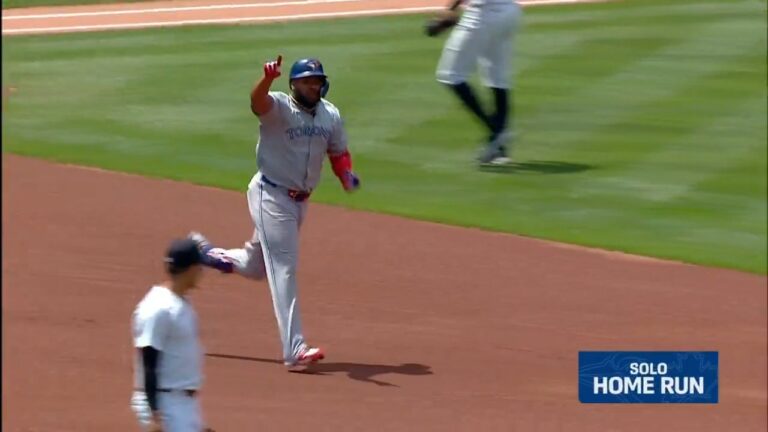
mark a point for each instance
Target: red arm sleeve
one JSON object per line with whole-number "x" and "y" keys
{"x": 341, "y": 163}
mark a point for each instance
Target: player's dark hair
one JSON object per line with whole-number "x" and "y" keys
{"x": 181, "y": 255}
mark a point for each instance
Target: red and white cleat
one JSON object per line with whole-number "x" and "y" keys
{"x": 307, "y": 357}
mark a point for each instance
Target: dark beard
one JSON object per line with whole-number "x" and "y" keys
{"x": 301, "y": 100}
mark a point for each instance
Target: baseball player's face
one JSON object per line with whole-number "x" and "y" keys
{"x": 307, "y": 90}
{"x": 193, "y": 275}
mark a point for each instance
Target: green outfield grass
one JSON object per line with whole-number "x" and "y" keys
{"x": 642, "y": 124}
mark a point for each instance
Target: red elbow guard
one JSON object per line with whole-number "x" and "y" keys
{"x": 341, "y": 163}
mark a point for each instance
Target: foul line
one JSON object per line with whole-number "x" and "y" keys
{"x": 223, "y": 20}
{"x": 176, "y": 9}
{"x": 130, "y": 11}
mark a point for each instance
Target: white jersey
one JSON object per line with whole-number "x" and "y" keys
{"x": 168, "y": 323}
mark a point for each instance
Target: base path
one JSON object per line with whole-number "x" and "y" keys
{"x": 427, "y": 327}
{"x": 190, "y": 12}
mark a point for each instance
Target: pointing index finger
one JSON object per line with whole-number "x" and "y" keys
{"x": 279, "y": 60}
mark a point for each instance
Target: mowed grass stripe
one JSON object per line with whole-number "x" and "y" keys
{"x": 655, "y": 13}
{"x": 688, "y": 160}
{"x": 643, "y": 81}
{"x": 656, "y": 125}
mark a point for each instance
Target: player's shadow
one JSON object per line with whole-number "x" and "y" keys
{"x": 538, "y": 167}
{"x": 356, "y": 371}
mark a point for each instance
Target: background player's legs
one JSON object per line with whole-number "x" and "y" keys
{"x": 467, "y": 96}
{"x": 495, "y": 70}
{"x": 502, "y": 98}
{"x": 278, "y": 219}
{"x": 494, "y": 78}
{"x": 457, "y": 62}
{"x": 495, "y": 67}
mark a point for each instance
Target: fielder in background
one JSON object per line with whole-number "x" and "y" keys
{"x": 482, "y": 37}
{"x": 297, "y": 131}
{"x": 168, "y": 359}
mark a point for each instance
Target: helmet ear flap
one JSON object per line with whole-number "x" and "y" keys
{"x": 324, "y": 89}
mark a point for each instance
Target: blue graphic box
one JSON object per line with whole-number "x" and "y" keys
{"x": 648, "y": 377}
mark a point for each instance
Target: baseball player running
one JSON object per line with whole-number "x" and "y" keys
{"x": 482, "y": 37}
{"x": 168, "y": 361}
{"x": 297, "y": 131}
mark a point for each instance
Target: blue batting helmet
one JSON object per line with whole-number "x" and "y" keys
{"x": 310, "y": 67}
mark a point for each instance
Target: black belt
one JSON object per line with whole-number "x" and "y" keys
{"x": 295, "y": 195}
{"x": 186, "y": 392}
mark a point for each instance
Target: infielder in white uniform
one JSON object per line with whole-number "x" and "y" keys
{"x": 168, "y": 358}
{"x": 297, "y": 132}
{"x": 482, "y": 37}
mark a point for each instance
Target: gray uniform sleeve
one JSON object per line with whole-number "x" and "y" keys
{"x": 275, "y": 115}
{"x": 337, "y": 143}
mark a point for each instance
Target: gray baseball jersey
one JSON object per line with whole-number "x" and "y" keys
{"x": 291, "y": 150}
{"x": 294, "y": 143}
